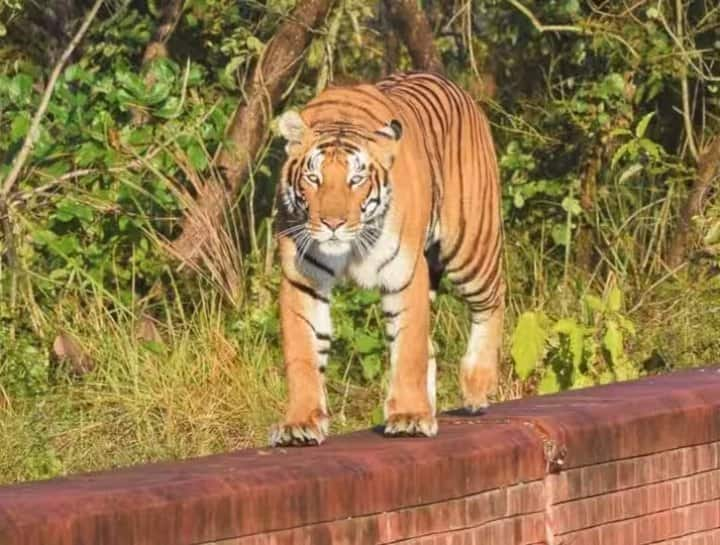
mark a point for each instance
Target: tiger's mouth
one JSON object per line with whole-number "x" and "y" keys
{"x": 335, "y": 246}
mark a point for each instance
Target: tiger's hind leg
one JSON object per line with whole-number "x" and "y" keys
{"x": 479, "y": 365}
{"x": 481, "y": 284}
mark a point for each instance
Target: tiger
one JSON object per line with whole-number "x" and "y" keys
{"x": 390, "y": 185}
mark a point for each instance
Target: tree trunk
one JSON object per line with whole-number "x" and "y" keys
{"x": 248, "y": 127}
{"x": 708, "y": 167}
{"x": 391, "y": 42}
{"x": 414, "y": 29}
{"x": 584, "y": 252}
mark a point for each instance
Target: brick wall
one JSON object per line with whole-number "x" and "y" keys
{"x": 626, "y": 464}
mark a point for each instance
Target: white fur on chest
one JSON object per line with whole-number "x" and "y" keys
{"x": 387, "y": 265}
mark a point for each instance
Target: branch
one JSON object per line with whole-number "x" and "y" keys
{"x": 545, "y": 28}
{"x": 415, "y": 31}
{"x": 708, "y": 165}
{"x": 689, "y": 135}
{"x": 32, "y": 134}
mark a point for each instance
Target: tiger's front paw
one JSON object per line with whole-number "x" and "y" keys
{"x": 411, "y": 425}
{"x": 311, "y": 432}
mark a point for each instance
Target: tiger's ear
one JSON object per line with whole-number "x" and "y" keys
{"x": 392, "y": 130}
{"x": 386, "y": 148}
{"x": 293, "y": 129}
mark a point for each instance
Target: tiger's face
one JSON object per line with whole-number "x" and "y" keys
{"x": 335, "y": 187}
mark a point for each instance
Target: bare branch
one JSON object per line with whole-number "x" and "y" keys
{"x": 545, "y": 28}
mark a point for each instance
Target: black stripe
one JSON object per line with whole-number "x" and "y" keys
{"x": 337, "y": 143}
{"x": 318, "y": 265}
{"x": 385, "y": 291}
{"x": 367, "y": 112}
{"x": 346, "y": 131}
{"x": 307, "y": 290}
{"x": 318, "y": 336}
{"x": 392, "y": 338}
{"x": 389, "y": 259}
{"x": 392, "y": 315}
{"x": 486, "y": 262}
{"x": 323, "y": 351}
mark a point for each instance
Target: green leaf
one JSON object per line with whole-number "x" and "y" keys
{"x": 626, "y": 324}
{"x": 366, "y": 344}
{"x": 65, "y": 245}
{"x": 19, "y": 126}
{"x": 572, "y": 206}
{"x": 615, "y": 299}
{"x": 575, "y": 335}
{"x": 651, "y": 148}
{"x": 594, "y": 303}
{"x": 613, "y": 84}
{"x": 43, "y": 237}
{"x": 549, "y": 383}
{"x": 316, "y": 54}
{"x": 68, "y": 209}
{"x": 560, "y": 233}
{"x": 613, "y": 341}
{"x": 528, "y": 343}
{"x": 196, "y": 156}
{"x": 88, "y": 153}
{"x": 713, "y": 234}
{"x": 630, "y": 172}
{"x": 367, "y": 297}
{"x": 620, "y": 153}
{"x": 253, "y": 44}
{"x": 155, "y": 347}
{"x": 371, "y": 367}
{"x": 20, "y": 89}
{"x": 643, "y": 125}
{"x": 170, "y": 108}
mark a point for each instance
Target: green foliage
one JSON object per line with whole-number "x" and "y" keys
{"x": 528, "y": 342}
{"x": 578, "y": 351}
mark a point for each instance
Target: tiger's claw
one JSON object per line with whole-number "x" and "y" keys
{"x": 411, "y": 425}
{"x": 298, "y": 434}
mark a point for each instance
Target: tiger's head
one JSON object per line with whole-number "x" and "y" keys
{"x": 335, "y": 187}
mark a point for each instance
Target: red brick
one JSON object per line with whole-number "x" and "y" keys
{"x": 650, "y": 529}
{"x": 434, "y": 519}
{"x": 611, "y": 476}
{"x": 522, "y": 530}
{"x": 635, "y": 502}
{"x": 711, "y": 537}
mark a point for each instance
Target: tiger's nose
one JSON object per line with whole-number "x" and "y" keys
{"x": 333, "y": 223}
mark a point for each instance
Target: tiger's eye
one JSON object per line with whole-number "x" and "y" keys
{"x": 312, "y": 178}
{"x": 356, "y": 179}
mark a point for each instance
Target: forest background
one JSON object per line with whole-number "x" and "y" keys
{"x": 138, "y": 280}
